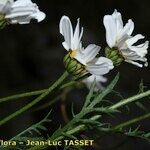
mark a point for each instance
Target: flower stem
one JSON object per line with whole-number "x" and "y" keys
{"x": 130, "y": 99}
{"x": 132, "y": 121}
{"x": 53, "y": 101}
{"x": 35, "y": 101}
{"x": 33, "y": 93}
{"x": 38, "y": 92}
{"x": 17, "y": 96}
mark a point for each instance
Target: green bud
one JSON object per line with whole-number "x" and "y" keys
{"x": 74, "y": 67}
{"x": 107, "y": 51}
{"x": 119, "y": 61}
{"x": 66, "y": 57}
{"x": 114, "y": 58}
{"x": 3, "y": 21}
{"x": 71, "y": 70}
{"x": 115, "y": 55}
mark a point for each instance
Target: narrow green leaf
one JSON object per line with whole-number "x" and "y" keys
{"x": 89, "y": 96}
{"x": 69, "y": 136}
{"x": 42, "y": 127}
{"x": 141, "y": 106}
{"x": 105, "y": 92}
{"x": 72, "y": 110}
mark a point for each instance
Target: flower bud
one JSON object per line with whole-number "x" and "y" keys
{"x": 73, "y": 66}
{"x": 115, "y": 55}
{"x": 3, "y": 21}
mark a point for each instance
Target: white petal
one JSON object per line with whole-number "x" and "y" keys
{"x": 23, "y": 11}
{"x": 134, "y": 63}
{"x": 144, "y": 45}
{"x": 90, "y": 52}
{"x": 100, "y": 67}
{"x": 128, "y": 28}
{"x": 111, "y": 31}
{"x": 18, "y": 14}
{"x": 146, "y": 64}
{"x": 3, "y": 2}
{"x": 118, "y": 18}
{"x": 121, "y": 42}
{"x": 39, "y": 16}
{"x": 5, "y": 6}
{"x": 135, "y": 57}
{"x": 65, "y": 45}
{"x": 25, "y": 17}
{"x": 77, "y": 36}
{"x": 66, "y": 30}
{"x": 99, "y": 79}
{"x": 101, "y": 60}
{"x": 140, "y": 50}
{"x": 19, "y": 3}
{"x": 134, "y": 39}
{"x": 20, "y": 20}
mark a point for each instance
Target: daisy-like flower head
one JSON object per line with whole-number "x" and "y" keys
{"x": 99, "y": 80}
{"x": 119, "y": 38}
{"x": 79, "y": 60}
{"x": 20, "y": 11}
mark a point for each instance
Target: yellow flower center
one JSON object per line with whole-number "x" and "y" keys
{"x": 73, "y": 53}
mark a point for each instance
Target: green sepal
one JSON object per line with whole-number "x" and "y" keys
{"x": 3, "y": 21}
{"x": 74, "y": 67}
{"x": 114, "y": 55}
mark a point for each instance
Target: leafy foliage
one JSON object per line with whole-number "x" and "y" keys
{"x": 141, "y": 90}
{"x": 33, "y": 133}
{"x": 138, "y": 134}
{"x": 86, "y": 120}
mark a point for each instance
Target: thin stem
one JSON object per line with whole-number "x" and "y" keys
{"x": 132, "y": 121}
{"x": 38, "y": 99}
{"x": 130, "y": 99}
{"x": 72, "y": 131}
{"x": 33, "y": 93}
{"x": 38, "y": 92}
{"x": 51, "y": 102}
{"x": 81, "y": 127}
{"x": 44, "y": 106}
{"x": 17, "y": 96}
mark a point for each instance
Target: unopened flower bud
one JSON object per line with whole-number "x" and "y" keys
{"x": 74, "y": 67}
{"x": 115, "y": 55}
{"x": 3, "y": 21}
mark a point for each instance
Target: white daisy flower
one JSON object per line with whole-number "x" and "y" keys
{"x": 99, "y": 80}
{"x": 86, "y": 57}
{"x": 20, "y": 11}
{"x": 119, "y": 36}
